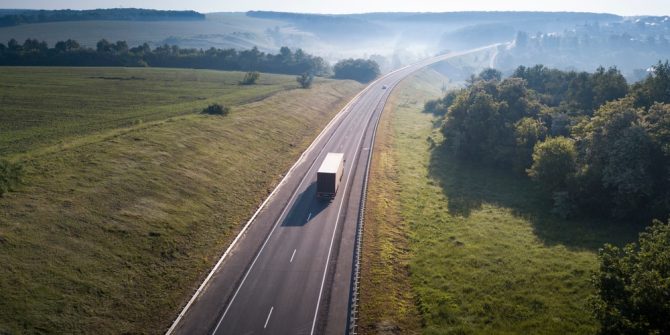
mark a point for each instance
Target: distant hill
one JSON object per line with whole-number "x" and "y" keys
{"x": 507, "y": 16}
{"x": 559, "y": 39}
{"x": 10, "y": 17}
{"x": 326, "y": 27}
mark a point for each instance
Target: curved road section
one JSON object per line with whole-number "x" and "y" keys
{"x": 290, "y": 269}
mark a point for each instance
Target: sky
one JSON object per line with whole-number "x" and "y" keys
{"x": 621, "y": 7}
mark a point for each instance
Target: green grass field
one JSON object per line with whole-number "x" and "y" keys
{"x": 452, "y": 248}
{"x": 120, "y": 220}
{"x": 44, "y": 105}
{"x": 223, "y": 30}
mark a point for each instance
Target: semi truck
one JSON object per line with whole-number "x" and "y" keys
{"x": 329, "y": 175}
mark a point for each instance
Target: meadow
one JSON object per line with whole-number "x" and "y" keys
{"x": 42, "y": 106}
{"x": 223, "y": 30}
{"x": 131, "y": 194}
{"x": 451, "y": 248}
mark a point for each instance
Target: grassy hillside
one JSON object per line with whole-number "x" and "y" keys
{"x": 42, "y": 106}
{"x": 223, "y": 30}
{"x": 115, "y": 227}
{"x": 451, "y": 248}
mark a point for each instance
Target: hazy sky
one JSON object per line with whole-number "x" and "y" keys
{"x": 621, "y": 7}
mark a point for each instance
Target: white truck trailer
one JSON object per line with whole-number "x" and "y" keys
{"x": 329, "y": 175}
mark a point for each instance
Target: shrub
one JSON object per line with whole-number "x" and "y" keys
{"x": 10, "y": 175}
{"x": 361, "y": 70}
{"x": 633, "y": 285}
{"x": 554, "y": 161}
{"x": 527, "y": 132}
{"x": 305, "y": 80}
{"x": 250, "y": 78}
{"x": 216, "y": 109}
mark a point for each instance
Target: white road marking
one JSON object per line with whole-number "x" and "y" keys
{"x": 360, "y": 142}
{"x": 309, "y": 216}
{"x": 331, "y": 124}
{"x": 268, "y": 319}
{"x": 286, "y": 208}
{"x": 302, "y": 157}
{"x": 291, "y": 261}
{"x": 337, "y": 221}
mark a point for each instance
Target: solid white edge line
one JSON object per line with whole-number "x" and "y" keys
{"x": 218, "y": 324}
{"x": 276, "y": 224}
{"x": 262, "y": 205}
{"x": 268, "y": 319}
{"x": 360, "y": 142}
{"x": 337, "y": 221}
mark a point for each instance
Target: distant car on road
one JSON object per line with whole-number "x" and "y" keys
{"x": 329, "y": 175}
{"x": 384, "y": 87}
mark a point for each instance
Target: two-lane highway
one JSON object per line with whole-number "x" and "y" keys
{"x": 289, "y": 270}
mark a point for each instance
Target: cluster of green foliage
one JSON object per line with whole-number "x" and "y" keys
{"x": 361, "y": 70}
{"x": 216, "y": 109}
{"x": 595, "y": 145}
{"x": 10, "y": 175}
{"x": 250, "y": 78}
{"x": 305, "y": 80}
{"x": 70, "y": 53}
{"x": 117, "y": 14}
{"x": 633, "y": 285}
{"x": 574, "y": 92}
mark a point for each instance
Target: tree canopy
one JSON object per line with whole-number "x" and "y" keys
{"x": 633, "y": 285}
{"x": 106, "y": 53}
{"x": 595, "y": 145}
{"x": 362, "y": 70}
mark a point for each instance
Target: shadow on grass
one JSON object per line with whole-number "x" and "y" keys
{"x": 469, "y": 186}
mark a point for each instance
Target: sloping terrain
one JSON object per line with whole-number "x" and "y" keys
{"x": 114, "y": 229}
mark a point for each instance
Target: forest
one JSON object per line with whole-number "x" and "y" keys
{"x": 70, "y": 53}
{"x": 593, "y": 143}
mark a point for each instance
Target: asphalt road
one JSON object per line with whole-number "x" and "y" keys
{"x": 290, "y": 269}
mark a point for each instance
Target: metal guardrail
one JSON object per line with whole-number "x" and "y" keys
{"x": 352, "y": 328}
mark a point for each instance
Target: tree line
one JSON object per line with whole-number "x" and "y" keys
{"x": 594, "y": 143}
{"x": 71, "y": 53}
{"x": 33, "y": 52}
{"x": 117, "y": 14}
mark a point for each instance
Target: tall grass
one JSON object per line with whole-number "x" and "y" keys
{"x": 468, "y": 250}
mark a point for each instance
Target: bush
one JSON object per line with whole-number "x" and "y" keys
{"x": 554, "y": 161}
{"x": 250, "y": 78}
{"x": 360, "y": 70}
{"x": 527, "y": 132}
{"x": 216, "y": 109}
{"x": 305, "y": 80}
{"x": 10, "y": 176}
{"x": 633, "y": 285}
{"x": 490, "y": 74}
